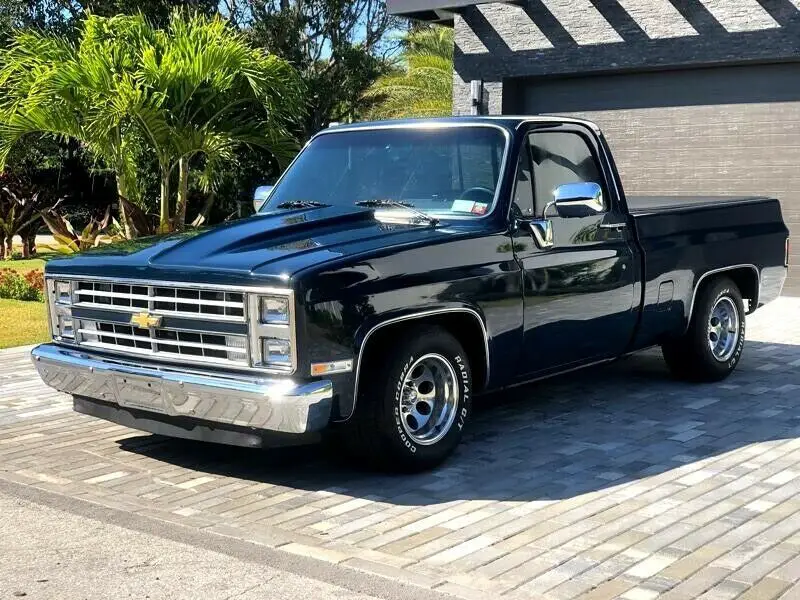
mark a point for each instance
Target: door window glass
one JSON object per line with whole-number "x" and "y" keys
{"x": 560, "y": 157}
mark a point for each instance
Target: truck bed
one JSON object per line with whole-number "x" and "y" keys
{"x": 679, "y": 234}
{"x": 642, "y": 205}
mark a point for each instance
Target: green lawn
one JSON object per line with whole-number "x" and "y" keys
{"x": 22, "y": 265}
{"x": 22, "y": 323}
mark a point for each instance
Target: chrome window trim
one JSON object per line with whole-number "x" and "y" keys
{"x": 254, "y": 327}
{"x": 716, "y": 272}
{"x": 548, "y": 119}
{"x": 412, "y": 316}
{"x": 603, "y": 158}
{"x": 422, "y": 124}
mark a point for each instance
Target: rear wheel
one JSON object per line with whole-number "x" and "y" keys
{"x": 414, "y": 404}
{"x": 712, "y": 346}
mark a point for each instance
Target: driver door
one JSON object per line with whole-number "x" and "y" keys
{"x": 579, "y": 291}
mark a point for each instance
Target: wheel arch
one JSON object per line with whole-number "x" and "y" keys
{"x": 465, "y": 324}
{"x": 746, "y": 277}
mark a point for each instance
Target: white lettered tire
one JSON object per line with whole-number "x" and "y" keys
{"x": 712, "y": 347}
{"x": 414, "y": 404}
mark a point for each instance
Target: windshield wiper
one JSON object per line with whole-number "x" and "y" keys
{"x": 418, "y": 214}
{"x": 301, "y": 204}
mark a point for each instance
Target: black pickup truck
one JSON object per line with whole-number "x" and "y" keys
{"x": 396, "y": 270}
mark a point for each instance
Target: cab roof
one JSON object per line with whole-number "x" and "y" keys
{"x": 510, "y": 122}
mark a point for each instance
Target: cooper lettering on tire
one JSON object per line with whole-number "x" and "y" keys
{"x": 415, "y": 405}
{"x": 712, "y": 345}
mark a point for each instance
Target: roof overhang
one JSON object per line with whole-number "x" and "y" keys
{"x": 432, "y": 11}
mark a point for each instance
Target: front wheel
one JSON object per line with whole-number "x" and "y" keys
{"x": 712, "y": 346}
{"x": 415, "y": 403}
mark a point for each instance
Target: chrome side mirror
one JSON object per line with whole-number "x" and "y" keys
{"x": 578, "y": 200}
{"x": 261, "y": 195}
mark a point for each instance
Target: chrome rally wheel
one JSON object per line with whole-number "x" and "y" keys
{"x": 429, "y": 399}
{"x": 723, "y": 329}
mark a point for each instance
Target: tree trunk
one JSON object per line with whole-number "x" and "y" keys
{"x": 122, "y": 192}
{"x": 208, "y": 205}
{"x": 164, "y": 224}
{"x": 183, "y": 193}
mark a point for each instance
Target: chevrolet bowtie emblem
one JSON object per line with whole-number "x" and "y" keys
{"x": 146, "y": 320}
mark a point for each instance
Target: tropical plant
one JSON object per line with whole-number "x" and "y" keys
{"x": 74, "y": 91}
{"x": 70, "y": 239}
{"x": 19, "y": 206}
{"x": 423, "y": 85}
{"x": 339, "y": 47}
{"x": 16, "y": 286}
{"x": 194, "y": 88}
{"x": 207, "y": 94}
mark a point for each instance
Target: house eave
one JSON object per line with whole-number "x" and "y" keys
{"x": 441, "y": 12}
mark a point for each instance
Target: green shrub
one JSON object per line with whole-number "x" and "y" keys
{"x": 15, "y": 286}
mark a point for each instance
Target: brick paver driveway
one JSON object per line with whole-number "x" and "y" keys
{"x": 614, "y": 482}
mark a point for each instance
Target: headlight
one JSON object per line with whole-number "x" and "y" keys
{"x": 63, "y": 292}
{"x": 59, "y": 305}
{"x": 277, "y": 352}
{"x": 272, "y": 323}
{"x": 274, "y": 309}
{"x": 65, "y": 329}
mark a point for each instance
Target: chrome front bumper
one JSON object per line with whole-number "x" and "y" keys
{"x": 269, "y": 404}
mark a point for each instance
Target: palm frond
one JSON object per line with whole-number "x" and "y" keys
{"x": 424, "y": 88}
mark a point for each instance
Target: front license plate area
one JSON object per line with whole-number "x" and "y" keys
{"x": 137, "y": 392}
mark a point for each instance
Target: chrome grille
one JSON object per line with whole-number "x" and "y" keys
{"x": 217, "y": 305}
{"x": 215, "y": 348}
{"x": 180, "y": 322}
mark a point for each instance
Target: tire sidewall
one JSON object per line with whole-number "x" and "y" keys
{"x": 397, "y": 436}
{"x": 721, "y": 290}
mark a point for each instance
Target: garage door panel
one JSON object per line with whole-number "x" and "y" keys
{"x": 762, "y": 84}
{"x": 720, "y": 131}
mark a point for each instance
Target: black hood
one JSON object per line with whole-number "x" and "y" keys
{"x": 273, "y": 245}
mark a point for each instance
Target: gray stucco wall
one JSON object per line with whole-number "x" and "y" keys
{"x": 545, "y": 38}
{"x": 694, "y": 96}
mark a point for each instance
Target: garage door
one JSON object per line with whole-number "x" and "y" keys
{"x": 727, "y": 130}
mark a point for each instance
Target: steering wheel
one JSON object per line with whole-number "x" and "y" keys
{"x": 478, "y": 194}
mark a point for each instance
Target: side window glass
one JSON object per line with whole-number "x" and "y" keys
{"x": 478, "y": 165}
{"x": 560, "y": 157}
{"x": 523, "y": 205}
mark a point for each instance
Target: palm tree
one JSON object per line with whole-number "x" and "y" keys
{"x": 423, "y": 87}
{"x": 211, "y": 93}
{"x": 53, "y": 87}
{"x": 193, "y": 88}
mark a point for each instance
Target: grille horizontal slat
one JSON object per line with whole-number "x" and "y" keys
{"x": 144, "y": 352}
{"x": 161, "y": 341}
{"x": 196, "y": 346}
{"x": 183, "y": 302}
{"x": 156, "y": 298}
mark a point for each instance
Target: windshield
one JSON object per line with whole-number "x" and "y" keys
{"x": 447, "y": 171}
